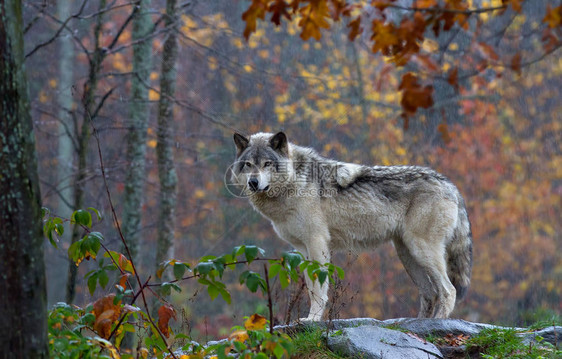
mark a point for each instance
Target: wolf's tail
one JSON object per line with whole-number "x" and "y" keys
{"x": 459, "y": 253}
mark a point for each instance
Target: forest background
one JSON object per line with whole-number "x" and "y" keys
{"x": 487, "y": 114}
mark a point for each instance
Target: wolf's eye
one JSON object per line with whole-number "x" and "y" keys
{"x": 247, "y": 164}
{"x": 267, "y": 163}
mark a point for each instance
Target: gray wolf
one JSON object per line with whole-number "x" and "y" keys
{"x": 319, "y": 205}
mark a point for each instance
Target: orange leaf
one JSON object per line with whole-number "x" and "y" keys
{"x": 553, "y": 16}
{"x": 239, "y": 336}
{"x": 453, "y": 78}
{"x": 516, "y": 63}
{"x": 106, "y": 313}
{"x": 314, "y": 17}
{"x": 444, "y": 130}
{"x": 414, "y": 95}
{"x": 356, "y": 28}
{"x": 256, "y": 10}
{"x": 255, "y": 322}
{"x": 424, "y": 4}
{"x": 123, "y": 279}
{"x": 165, "y": 313}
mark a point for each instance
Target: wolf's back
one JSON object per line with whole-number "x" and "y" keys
{"x": 459, "y": 253}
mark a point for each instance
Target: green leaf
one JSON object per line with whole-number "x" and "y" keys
{"x": 238, "y": 250}
{"x": 96, "y": 212}
{"x": 274, "y": 269}
{"x": 284, "y": 279}
{"x": 251, "y": 252}
{"x": 179, "y": 270}
{"x": 253, "y": 282}
{"x": 341, "y": 273}
{"x": 213, "y": 291}
{"x": 59, "y": 229}
{"x": 45, "y": 211}
{"x": 322, "y": 275}
{"x": 103, "y": 278}
{"x": 167, "y": 287}
{"x": 82, "y": 217}
{"x": 74, "y": 250}
{"x": 278, "y": 351}
{"x": 292, "y": 260}
{"x": 205, "y": 267}
{"x": 226, "y": 296}
{"x": 92, "y": 281}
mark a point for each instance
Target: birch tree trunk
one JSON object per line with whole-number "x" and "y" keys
{"x": 23, "y": 293}
{"x": 164, "y": 148}
{"x": 136, "y": 135}
{"x": 88, "y": 103}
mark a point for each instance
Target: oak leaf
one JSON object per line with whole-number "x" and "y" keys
{"x": 414, "y": 95}
{"x": 553, "y": 16}
{"x": 250, "y": 16}
{"x": 278, "y": 9}
{"x": 314, "y": 17}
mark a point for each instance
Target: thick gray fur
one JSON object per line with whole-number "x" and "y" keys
{"x": 319, "y": 205}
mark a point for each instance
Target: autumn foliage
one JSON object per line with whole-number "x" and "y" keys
{"x": 470, "y": 91}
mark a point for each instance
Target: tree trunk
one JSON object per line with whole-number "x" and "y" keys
{"x": 88, "y": 103}
{"x": 66, "y": 126}
{"x": 164, "y": 149}
{"x": 136, "y": 135}
{"x": 23, "y": 298}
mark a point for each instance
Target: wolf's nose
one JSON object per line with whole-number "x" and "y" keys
{"x": 254, "y": 184}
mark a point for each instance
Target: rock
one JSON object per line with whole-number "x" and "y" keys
{"x": 367, "y": 341}
{"x": 552, "y": 335}
{"x": 334, "y": 324}
{"x": 438, "y": 327}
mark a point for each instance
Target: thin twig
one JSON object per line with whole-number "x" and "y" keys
{"x": 269, "y": 301}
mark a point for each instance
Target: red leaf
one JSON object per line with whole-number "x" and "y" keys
{"x": 165, "y": 313}
{"x": 356, "y": 28}
{"x": 278, "y": 9}
{"x": 553, "y": 16}
{"x": 516, "y": 63}
{"x": 453, "y": 78}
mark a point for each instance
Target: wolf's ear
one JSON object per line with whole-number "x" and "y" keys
{"x": 241, "y": 143}
{"x": 279, "y": 143}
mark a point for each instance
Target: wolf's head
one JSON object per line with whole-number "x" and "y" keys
{"x": 262, "y": 162}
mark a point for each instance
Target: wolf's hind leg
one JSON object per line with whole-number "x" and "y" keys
{"x": 427, "y": 268}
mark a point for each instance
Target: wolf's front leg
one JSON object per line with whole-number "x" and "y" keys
{"x": 317, "y": 250}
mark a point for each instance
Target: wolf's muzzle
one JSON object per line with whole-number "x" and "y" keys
{"x": 254, "y": 184}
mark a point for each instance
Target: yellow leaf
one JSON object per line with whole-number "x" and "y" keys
{"x": 153, "y": 95}
{"x": 255, "y": 322}
{"x": 239, "y": 336}
{"x": 151, "y": 143}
